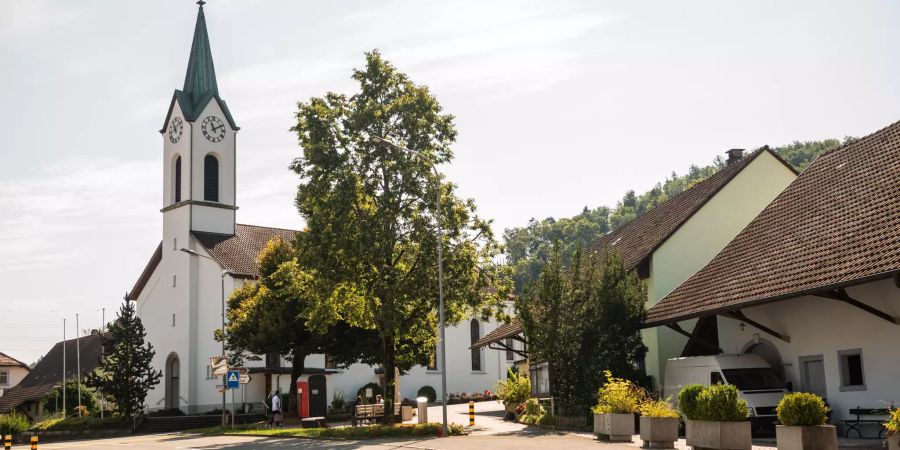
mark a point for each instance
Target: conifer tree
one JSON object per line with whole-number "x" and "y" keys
{"x": 125, "y": 373}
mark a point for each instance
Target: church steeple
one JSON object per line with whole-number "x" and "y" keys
{"x": 200, "y": 79}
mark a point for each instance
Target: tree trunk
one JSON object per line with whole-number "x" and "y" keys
{"x": 390, "y": 380}
{"x": 297, "y": 365}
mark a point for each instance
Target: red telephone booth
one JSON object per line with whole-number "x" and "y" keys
{"x": 302, "y": 399}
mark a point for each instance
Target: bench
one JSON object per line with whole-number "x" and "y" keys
{"x": 866, "y": 416}
{"x": 371, "y": 412}
{"x": 313, "y": 422}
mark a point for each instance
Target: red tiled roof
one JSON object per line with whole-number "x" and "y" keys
{"x": 238, "y": 253}
{"x": 638, "y": 239}
{"x": 837, "y": 224}
{"x": 9, "y": 361}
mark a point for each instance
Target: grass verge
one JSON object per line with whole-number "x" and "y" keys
{"x": 361, "y": 432}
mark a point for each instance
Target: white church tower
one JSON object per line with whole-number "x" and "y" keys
{"x": 198, "y": 151}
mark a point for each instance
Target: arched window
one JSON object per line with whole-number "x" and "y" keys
{"x": 177, "y": 177}
{"x": 475, "y": 329}
{"x": 210, "y": 178}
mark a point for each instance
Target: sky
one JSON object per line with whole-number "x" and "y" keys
{"x": 559, "y": 105}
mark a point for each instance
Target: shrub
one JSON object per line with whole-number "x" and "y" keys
{"x": 658, "y": 408}
{"x": 361, "y": 393}
{"x": 13, "y": 423}
{"x": 337, "y": 401}
{"x": 802, "y": 409}
{"x": 893, "y": 423}
{"x": 618, "y": 396}
{"x": 533, "y": 412}
{"x": 83, "y": 424}
{"x": 687, "y": 401}
{"x": 721, "y": 403}
{"x": 429, "y": 392}
{"x": 547, "y": 420}
{"x": 514, "y": 390}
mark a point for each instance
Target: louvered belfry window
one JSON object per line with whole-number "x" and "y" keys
{"x": 177, "y": 179}
{"x": 210, "y": 178}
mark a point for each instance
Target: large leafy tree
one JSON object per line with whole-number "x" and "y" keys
{"x": 582, "y": 320}
{"x": 371, "y": 222}
{"x": 125, "y": 373}
{"x": 270, "y": 316}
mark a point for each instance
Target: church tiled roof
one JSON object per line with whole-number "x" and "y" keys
{"x": 639, "y": 238}
{"x": 238, "y": 253}
{"x": 47, "y": 373}
{"x": 836, "y": 225}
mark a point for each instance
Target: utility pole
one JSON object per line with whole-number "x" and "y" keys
{"x": 102, "y": 328}
{"x": 64, "y": 370}
{"x": 78, "y": 361}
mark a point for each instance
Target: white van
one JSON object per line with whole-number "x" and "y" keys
{"x": 753, "y": 377}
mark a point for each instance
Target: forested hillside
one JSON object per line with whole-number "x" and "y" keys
{"x": 529, "y": 247}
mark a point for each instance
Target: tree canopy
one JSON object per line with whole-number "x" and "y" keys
{"x": 371, "y": 220}
{"x": 582, "y": 320}
{"x": 270, "y": 317}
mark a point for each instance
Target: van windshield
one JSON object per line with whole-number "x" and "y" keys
{"x": 754, "y": 379}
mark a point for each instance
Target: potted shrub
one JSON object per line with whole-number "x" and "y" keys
{"x": 513, "y": 391}
{"x": 893, "y": 430}
{"x": 802, "y": 416}
{"x": 716, "y": 418}
{"x": 659, "y": 424}
{"x": 617, "y": 401}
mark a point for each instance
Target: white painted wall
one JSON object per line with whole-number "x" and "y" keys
{"x": 818, "y": 326}
{"x": 14, "y": 376}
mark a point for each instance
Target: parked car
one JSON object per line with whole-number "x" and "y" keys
{"x": 755, "y": 380}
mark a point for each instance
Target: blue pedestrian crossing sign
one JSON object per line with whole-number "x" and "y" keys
{"x": 233, "y": 379}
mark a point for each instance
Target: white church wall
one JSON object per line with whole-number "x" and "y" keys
{"x": 170, "y": 149}
{"x": 224, "y": 150}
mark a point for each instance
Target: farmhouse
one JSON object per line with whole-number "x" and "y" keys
{"x": 813, "y": 282}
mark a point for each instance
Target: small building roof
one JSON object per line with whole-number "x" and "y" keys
{"x": 836, "y": 225}
{"x": 236, "y": 253}
{"x": 638, "y": 239}
{"x": 506, "y": 330}
{"x": 9, "y": 361}
{"x": 47, "y": 373}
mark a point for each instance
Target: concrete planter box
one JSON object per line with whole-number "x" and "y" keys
{"x": 617, "y": 427}
{"x": 823, "y": 437}
{"x": 718, "y": 435}
{"x": 659, "y": 432}
{"x": 406, "y": 413}
{"x": 893, "y": 441}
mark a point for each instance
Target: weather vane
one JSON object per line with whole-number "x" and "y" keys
{"x": 201, "y": 3}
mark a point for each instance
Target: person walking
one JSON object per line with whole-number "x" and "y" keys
{"x": 277, "y": 415}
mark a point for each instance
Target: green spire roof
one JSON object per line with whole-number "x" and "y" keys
{"x": 200, "y": 79}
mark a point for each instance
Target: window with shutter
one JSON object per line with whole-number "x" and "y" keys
{"x": 210, "y": 178}
{"x": 476, "y": 353}
{"x": 177, "y": 179}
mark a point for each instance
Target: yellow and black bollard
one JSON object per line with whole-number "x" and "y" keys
{"x": 471, "y": 414}
{"x": 34, "y": 441}
{"x": 7, "y": 442}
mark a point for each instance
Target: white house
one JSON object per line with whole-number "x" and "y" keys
{"x": 179, "y": 294}
{"x": 812, "y": 284}
{"x": 12, "y": 371}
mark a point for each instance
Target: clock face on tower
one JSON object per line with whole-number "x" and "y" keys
{"x": 213, "y": 129}
{"x": 175, "y": 128}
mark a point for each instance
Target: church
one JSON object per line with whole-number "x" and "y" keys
{"x": 204, "y": 255}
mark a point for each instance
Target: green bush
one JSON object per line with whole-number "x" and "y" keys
{"x": 361, "y": 393}
{"x": 547, "y": 420}
{"x": 13, "y": 423}
{"x": 618, "y": 396}
{"x": 83, "y": 424}
{"x": 721, "y": 403}
{"x": 802, "y": 409}
{"x": 514, "y": 390}
{"x": 429, "y": 392}
{"x": 687, "y": 401}
{"x": 893, "y": 423}
{"x": 658, "y": 408}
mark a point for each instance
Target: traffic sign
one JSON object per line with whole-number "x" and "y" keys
{"x": 232, "y": 380}
{"x": 244, "y": 378}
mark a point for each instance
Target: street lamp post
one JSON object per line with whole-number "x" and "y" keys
{"x": 440, "y": 261}
{"x": 224, "y": 376}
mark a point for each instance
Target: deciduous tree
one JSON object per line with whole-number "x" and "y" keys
{"x": 370, "y": 214}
